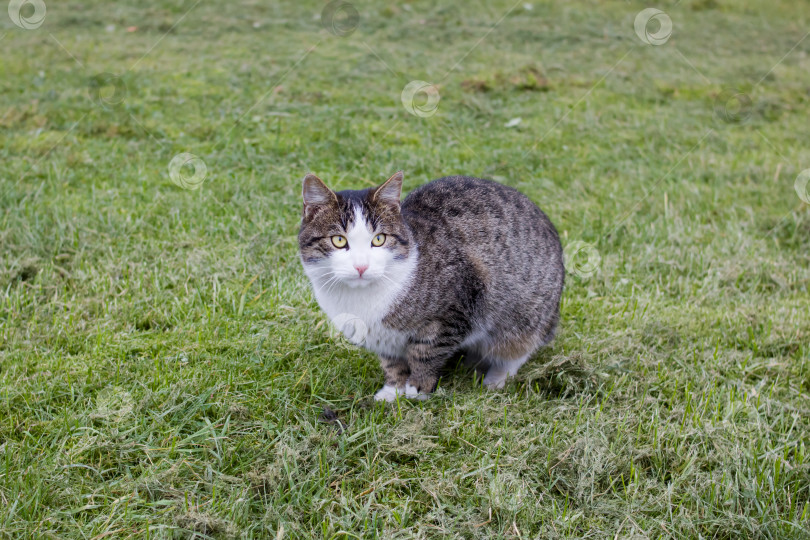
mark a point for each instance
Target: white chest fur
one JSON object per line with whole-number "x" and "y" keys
{"x": 358, "y": 312}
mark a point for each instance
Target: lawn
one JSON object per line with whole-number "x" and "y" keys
{"x": 165, "y": 371}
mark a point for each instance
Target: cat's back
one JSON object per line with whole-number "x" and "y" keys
{"x": 467, "y": 211}
{"x": 485, "y": 251}
{"x": 443, "y": 195}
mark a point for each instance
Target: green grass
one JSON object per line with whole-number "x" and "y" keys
{"x": 164, "y": 368}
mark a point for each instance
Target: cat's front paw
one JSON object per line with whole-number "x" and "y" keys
{"x": 389, "y": 393}
{"x": 412, "y": 393}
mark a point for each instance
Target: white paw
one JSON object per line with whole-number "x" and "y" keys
{"x": 412, "y": 393}
{"x": 389, "y": 393}
{"x": 495, "y": 379}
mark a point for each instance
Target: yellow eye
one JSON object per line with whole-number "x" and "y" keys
{"x": 339, "y": 241}
{"x": 378, "y": 240}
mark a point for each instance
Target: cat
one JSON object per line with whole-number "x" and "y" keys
{"x": 462, "y": 265}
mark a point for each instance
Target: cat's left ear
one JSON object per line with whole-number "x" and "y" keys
{"x": 390, "y": 191}
{"x": 316, "y": 195}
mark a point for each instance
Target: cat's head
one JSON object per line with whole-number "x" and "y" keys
{"x": 353, "y": 238}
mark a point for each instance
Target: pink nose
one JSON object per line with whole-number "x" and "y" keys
{"x": 361, "y": 269}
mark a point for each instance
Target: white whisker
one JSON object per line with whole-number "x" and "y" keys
{"x": 331, "y": 280}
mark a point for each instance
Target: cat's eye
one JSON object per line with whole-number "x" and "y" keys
{"x": 339, "y": 241}
{"x": 378, "y": 240}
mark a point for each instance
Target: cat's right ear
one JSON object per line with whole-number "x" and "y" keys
{"x": 390, "y": 191}
{"x": 315, "y": 194}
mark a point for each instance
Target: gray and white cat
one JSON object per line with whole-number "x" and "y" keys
{"x": 462, "y": 265}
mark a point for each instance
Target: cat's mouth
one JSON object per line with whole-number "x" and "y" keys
{"x": 358, "y": 282}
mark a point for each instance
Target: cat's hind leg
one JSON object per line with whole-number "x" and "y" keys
{"x": 501, "y": 370}
{"x": 506, "y": 357}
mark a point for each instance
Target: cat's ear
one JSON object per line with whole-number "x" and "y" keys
{"x": 390, "y": 191}
{"x": 315, "y": 193}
